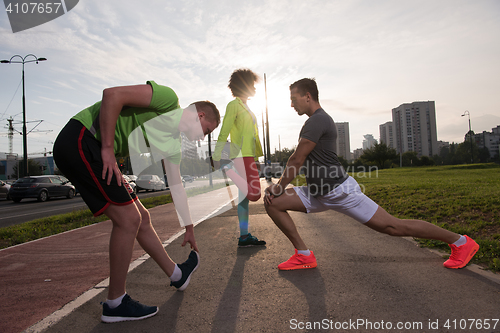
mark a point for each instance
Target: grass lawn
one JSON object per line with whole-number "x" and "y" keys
{"x": 47, "y": 226}
{"x": 464, "y": 199}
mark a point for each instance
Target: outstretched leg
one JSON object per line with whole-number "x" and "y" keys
{"x": 388, "y": 224}
{"x": 151, "y": 243}
{"x": 179, "y": 274}
{"x": 463, "y": 248}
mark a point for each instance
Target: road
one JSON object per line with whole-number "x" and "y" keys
{"x": 364, "y": 282}
{"x": 30, "y": 209}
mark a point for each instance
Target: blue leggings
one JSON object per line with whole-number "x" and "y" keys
{"x": 243, "y": 214}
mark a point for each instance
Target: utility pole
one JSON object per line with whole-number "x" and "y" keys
{"x": 210, "y": 160}
{"x": 25, "y": 139}
{"x": 470, "y": 137}
{"x": 279, "y": 147}
{"x": 264, "y": 138}
{"x": 267, "y": 127}
{"x": 11, "y": 135}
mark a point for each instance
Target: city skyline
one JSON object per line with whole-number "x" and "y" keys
{"x": 367, "y": 57}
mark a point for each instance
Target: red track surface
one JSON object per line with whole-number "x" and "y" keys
{"x": 39, "y": 277}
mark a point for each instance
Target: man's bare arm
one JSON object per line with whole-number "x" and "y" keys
{"x": 113, "y": 101}
{"x": 293, "y": 166}
{"x": 179, "y": 197}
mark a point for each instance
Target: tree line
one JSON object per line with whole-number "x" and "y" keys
{"x": 382, "y": 156}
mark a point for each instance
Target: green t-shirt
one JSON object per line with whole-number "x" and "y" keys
{"x": 157, "y": 133}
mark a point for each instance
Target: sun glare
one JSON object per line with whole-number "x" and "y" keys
{"x": 278, "y": 105}
{"x": 257, "y": 103}
{"x": 278, "y": 98}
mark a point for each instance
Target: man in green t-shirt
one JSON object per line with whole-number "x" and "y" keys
{"x": 85, "y": 152}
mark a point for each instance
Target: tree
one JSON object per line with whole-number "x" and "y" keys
{"x": 463, "y": 153}
{"x": 484, "y": 155}
{"x": 195, "y": 166}
{"x": 344, "y": 162}
{"x": 35, "y": 169}
{"x": 410, "y": 158}
{"x": 379, "y": 154}
{"x": 438, "y": 160}
{"x": 451, "y": 157}
{"x": 282, "y": 156}
{"x": 426, "y": 161}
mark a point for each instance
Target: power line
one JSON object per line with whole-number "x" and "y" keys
{"x": 12, "y": 98}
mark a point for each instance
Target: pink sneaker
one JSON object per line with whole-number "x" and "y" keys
{"x": 298, "y": 261}
{"x": 461, "y": 255}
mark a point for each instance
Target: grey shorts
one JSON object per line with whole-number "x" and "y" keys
{"x": 347, "y": 198}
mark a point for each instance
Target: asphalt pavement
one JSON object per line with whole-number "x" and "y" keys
{"x": 364, "y": 282}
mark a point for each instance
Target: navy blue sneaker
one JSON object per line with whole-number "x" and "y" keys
{"x": 188, "y": 267}
{"x": 127, "y": 310}
{"x": 250, "y": 241}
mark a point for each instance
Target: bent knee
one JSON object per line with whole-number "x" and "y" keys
{"x": 270, "y": 207}
{"x": 145, "y": 218}
{"x": 130, "y": 223}
{"x": 275, "y": 206}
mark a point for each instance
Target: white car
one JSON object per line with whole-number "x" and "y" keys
{"x": 4, "y": 190}
{"x": 150, "y": 183}
{"x": 132, "y": 184}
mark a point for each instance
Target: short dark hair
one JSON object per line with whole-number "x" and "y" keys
{"x": 306, "y": 86}
{"x": 241, "y": 81}
{"x": 210, "y": 110}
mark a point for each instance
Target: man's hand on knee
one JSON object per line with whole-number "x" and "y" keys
{"x": 272, "y": 192}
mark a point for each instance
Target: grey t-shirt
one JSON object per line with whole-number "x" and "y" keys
{"x": 322, "y": 167}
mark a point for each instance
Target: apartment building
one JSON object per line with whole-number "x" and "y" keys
{"x": 387, "y": 134}
{"x": 415, "y": 128}
{"x": 343, "y": 142}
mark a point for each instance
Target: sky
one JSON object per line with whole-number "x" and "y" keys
{"x": 367, "y": 57}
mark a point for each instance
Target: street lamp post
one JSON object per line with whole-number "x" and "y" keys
{"x": 25, "y": 140}
{"x": 268, "y": 141}
{"x": 210, "y": 164}
{"x": 470, "y": 137}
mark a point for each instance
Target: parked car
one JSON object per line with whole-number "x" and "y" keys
{"x": 41, "y": 188}
{"x": 132, "y": 184}
{"x": 150, "y": 183}
{"x": 187, "y": 178}
{"x": 132, "y": 178}
{"x": 166, "y": 181}
{"x": 4, "y": 190}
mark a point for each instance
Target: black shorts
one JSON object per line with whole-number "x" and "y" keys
{"x": 77, "y": 154}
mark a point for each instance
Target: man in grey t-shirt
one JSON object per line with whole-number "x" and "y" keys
{"x": 328, "y": 187}
{"x": 322, "y": 167}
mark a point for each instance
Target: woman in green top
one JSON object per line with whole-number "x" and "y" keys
{"x": 240, "y": 123}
